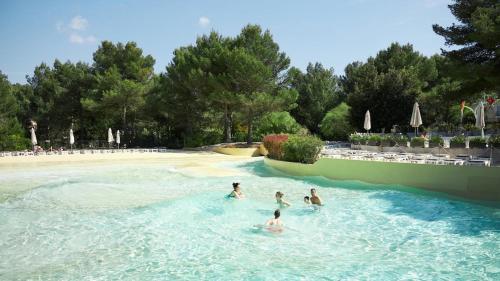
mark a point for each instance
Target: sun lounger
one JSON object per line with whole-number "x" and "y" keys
{"x": 478, "y": 162}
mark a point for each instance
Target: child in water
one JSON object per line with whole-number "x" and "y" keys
{"x": 307, "y": 201}
{"x": 236, "y": 193}
{"x": 275, "y": 225}
{"x": 279, "y": 199}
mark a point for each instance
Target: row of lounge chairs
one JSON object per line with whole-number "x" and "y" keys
{"x": 435, "y": 159}
{"x": 81, "y": 151}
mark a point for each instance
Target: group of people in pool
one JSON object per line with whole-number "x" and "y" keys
{"x": 314, "y": 199}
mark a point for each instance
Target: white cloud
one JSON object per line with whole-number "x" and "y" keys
{"x": 204, "y": 21}
{"x": 78, "y": 23}
{"x": 75, "y": 30}
{"x": 78, "y": 39}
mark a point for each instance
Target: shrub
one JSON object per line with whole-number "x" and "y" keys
{"x": 374, "y": 140}
{"x": 388, "y": 140}
{"x": 417, "y": 142}
{"x": 277, "y": 123}
{"x": 274, "y": 145}
{"x": 436, "y": 141}
{"x": 457, "y": 142}
{"x": 302, "y": 149}
{"x": 401, "y": 140}
{"x": 12, "y": 136}
{"x": 335, "y": 124}
{"x": 358, "y": 139}
{"x": 477, "y": 142}
{"x": 494, "y": 141}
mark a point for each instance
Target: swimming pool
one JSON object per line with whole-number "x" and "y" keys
{"x": 147, "y": 221}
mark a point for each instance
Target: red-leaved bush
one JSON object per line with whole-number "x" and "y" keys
{"x": 274, "y": 145}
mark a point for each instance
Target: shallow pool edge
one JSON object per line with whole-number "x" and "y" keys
{"x": 470, "y": 182}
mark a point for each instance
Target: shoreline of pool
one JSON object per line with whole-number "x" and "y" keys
{"x": 196, "y": 163}
{"x": 470, "y": 182}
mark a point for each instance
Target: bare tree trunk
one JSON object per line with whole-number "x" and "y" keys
{"x": 227, "y": 125}
{"x": 250, "y": 131}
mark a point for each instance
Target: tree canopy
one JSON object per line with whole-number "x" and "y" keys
{"x": 319, "y": 92}
{"x": 477, "y": 36}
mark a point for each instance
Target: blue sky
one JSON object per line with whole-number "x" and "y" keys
{"x": 334, "y": 32}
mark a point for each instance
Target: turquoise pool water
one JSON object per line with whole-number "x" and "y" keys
{"x": 147, "y": 221}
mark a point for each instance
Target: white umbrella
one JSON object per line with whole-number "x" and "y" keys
{"x": 368, "y": 121}
{"x": 416, "y": 119}
{"x": 479, "y": 113}
{"x": 118, "y": 138}
{"x": 33, "y": 137}
{"x": 110, "y": 136}
{"x": 71, "y": 138}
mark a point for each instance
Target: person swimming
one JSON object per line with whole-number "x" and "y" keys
{"x": 315, "y": 199}
{"x": 275, "y": 225}
{"x": 236, "y": 193}
{"x": 307, "y": 200}
{"x": 279, "y": 199}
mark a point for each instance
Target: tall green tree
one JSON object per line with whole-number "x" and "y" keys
{"x": 336, "y": 125}
{"x": 123, "y": 76}
{"x": 387, "y": 85}
{"x": 476, "y": 42}
{"x": 318, "y": 93}
{"x": 53, "y": 100}
{"x": 12, "y": 136}
{"x": 258, "y": 94}
{"x": 258, "y": 72}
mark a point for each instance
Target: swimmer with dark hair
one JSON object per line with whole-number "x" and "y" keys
{"x": 281, "y": 202}
{"x": 275, "y": 225}
{"x": 307, "y": 200}
{"x": 315, "y": 199}
{"x": 236, "y": 193}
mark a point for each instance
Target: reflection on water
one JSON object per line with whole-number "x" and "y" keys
{"x": 143, "y": 221}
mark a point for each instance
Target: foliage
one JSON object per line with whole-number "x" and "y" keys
{"x": 12, "y": 136}
{"x": 274, "y": 145}
{"x": 277, "y": 123}
{"x": 457, "y": 141}
{"x": 387, "y": 85}
{"x": 494, "y": 141}
{"x": 335, "y": 124}
{"x": 401, "y": 140}
{"x": 477, "y": 142}
{"x": 436, "y": 141}
{"x": 358, "y": 138}
{"x": 374, "y": 140}
{"x": 477, "y": 62}
{"x": 319, "y": 92}
{"x": 302, "y": 149}
{"x": 387, "y": 140}
{"x": 417, "y": 142}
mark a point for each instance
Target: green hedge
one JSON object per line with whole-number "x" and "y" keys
{"x": 302, "y": 149}
{"x": 358, "y": 139}
{"x": 477, "y": 142}
{"x": 457, "y": 142}
{"x": 417, "y": 142}
{"x": 436, "y": 141}
{"x": 494, "y": 141}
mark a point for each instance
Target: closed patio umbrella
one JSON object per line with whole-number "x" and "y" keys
{"x": 479, "y": 113}
{"x": 118, "y": 138}
{"x": 33, "y": 138}
{"x": 368, "y": 121}
{"x": 71, "y": 138}
{"x": 416, "y": 119}
{"x": 110, "y": 137}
